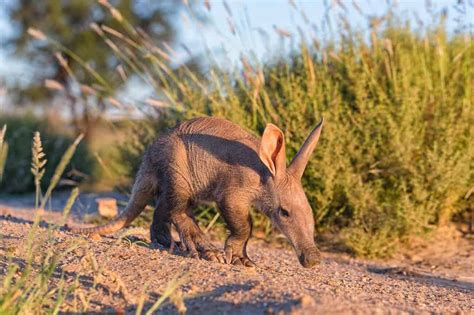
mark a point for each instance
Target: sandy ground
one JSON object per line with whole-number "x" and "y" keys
{"x": 425, "y": 281}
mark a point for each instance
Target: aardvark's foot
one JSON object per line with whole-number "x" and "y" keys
{"x": 203, "y": 249}
{"x": 237, "y": 259}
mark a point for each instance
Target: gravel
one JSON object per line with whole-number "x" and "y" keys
{"x": 126, "y": 269}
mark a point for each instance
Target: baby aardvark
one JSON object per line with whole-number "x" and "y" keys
{"x": 214, "y": 160}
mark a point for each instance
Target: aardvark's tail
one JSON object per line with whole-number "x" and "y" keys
{"x": 142, "y": 192}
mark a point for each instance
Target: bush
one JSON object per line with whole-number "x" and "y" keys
{"x": 17, "y": 177}
{"x": 394, "y": 159}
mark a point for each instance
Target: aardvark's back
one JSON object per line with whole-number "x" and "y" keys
{"x": 203, "y": 155}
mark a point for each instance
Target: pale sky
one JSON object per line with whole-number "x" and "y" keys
{"x": 257, "y": 23}
{"x": 257, "y": 19}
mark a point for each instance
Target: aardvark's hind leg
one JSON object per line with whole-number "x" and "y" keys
{"x": 160, "y": 229}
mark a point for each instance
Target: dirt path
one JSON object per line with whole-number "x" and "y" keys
{"x": 339, "y": 285}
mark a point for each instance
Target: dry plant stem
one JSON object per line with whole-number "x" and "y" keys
{"x": 170, "y": 289}
{"x": 37, "y": 165}
{"x": 66, "y": 158}
{"x": 3, "y": 150}
{"x": 2, "y": 135}
{"x": 70, "y": 202}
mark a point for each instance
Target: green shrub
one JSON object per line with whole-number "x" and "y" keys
{"x": 17, "y": 177}
{"x": 394, "y": 158}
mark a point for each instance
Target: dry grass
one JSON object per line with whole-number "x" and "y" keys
{"x": 3, "y": 150}
{"x": 34, "y": 282}
{"x": 37, "y": 164}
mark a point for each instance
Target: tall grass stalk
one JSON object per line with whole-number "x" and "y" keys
{"x": 69, "y": 203}
{"x": 2, "y": 135}
{"x": 37, "y": 165}
{"x": 26, "y": 285}
{"x": 168, "y": 292}
{"x": 60, "y": 169}
{"x": 3, "y": 150}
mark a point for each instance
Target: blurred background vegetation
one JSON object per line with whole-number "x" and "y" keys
{"x": 395, "y": 160}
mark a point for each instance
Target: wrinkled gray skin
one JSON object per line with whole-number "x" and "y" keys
{"x": 214, "y": 160}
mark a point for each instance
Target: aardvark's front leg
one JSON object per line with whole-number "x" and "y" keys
{"x": 239, "y": 222}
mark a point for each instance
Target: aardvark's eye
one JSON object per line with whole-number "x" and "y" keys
{"x": 284, "y": 213}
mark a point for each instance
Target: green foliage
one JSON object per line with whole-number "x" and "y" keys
{"x": 394, "y": 158}
{"x": 17, "y": 177}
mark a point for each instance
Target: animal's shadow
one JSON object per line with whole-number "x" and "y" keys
{"x": 423, "y": 278}
{"x": 210, "y": 302}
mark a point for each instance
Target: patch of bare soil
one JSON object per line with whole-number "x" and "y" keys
{"x": 124, "y": 268}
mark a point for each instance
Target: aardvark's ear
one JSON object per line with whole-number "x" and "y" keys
{"x": 301, "y": 158}
{"x": 272, "y": 150}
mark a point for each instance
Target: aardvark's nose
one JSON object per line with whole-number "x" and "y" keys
{"x": 310, "y": 257}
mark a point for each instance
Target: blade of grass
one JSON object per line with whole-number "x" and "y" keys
{"x": 66, "y": 158}
{"x": 170, "y": 288}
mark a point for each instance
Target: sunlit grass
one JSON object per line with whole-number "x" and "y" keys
{"x": 34, "y": 281}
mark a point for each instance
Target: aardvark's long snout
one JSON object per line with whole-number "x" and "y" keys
{"x": 310, "y": 257}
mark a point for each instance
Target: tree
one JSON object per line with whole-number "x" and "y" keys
{"x": 69, "y": 23}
